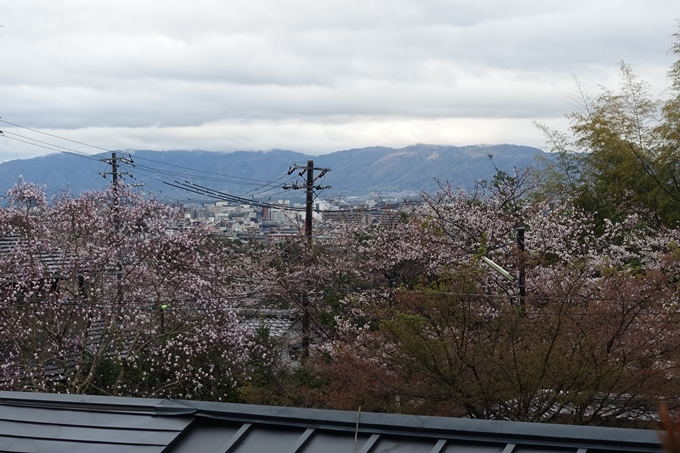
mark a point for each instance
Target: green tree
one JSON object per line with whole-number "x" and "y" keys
{"x": 622, "y": 151}
{"x": 450, "y": 351}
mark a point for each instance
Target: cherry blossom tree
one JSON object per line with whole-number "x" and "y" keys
{"x": 592, "y": 342}
{"x": 100, "y": 296}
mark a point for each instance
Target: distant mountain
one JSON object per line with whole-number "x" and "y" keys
{"x": 415, "y": 167}
{"x": 353, "y": 172}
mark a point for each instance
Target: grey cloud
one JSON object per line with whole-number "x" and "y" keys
{"x": 75, "y": 65}
{"x": 133, "y": 103}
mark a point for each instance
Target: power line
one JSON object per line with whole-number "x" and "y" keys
{"x": 261, "y": 184}
{"x": 53, "y": 135}
{"x": 50, "y": 147}
{"x": 228, "y": 178}
{"x": 196, "y": 188}
{"x": 189, "y": 175}
{"x": 274, "y": 183}
{"x": 44, "y": 143}
{"x": 201, "y": 171}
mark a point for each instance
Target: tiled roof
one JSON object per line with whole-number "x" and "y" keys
{"x": 279, "y": 322}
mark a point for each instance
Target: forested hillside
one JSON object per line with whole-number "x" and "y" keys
{"x": 353, "y": 172}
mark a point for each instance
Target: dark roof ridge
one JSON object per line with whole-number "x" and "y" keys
{"x": 80, "y": 402}
{"x": 430, "y": 426}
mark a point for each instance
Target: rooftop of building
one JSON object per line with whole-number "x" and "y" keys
{"x": 38, "y": 422}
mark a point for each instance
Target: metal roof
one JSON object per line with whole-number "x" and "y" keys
{"x": 35, "y": 422}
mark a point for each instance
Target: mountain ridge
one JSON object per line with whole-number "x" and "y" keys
{"x": 356, "y": 171}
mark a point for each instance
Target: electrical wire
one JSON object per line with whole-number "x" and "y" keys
{"x": 70, "y": 150}
{"x": 201, "y": 171}
{"x": 53, "y": 135}
{"x": 58, "y": 148}
{"x": 50, "y": 147}
{"x": 273, "y": 183}
{"x": 261, "y": 184}
{"x": 196, "y": 188}
{"x": 187, "y": 175}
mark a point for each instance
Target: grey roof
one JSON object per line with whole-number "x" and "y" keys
{"x": 33, "y": 422}
{"x": 279, "y": 322}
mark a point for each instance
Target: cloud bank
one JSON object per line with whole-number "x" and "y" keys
{"x": 314, "y": 76}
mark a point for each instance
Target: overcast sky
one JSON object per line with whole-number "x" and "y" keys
{"x": 314, "y": 75}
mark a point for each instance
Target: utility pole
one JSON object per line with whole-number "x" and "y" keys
{"x": 309, "y": 188}
{"x": 310, "y": 200}
{"x": 115, "y": 175}
{"x": 522, "y": 271}
{"x": 115, "y": 168}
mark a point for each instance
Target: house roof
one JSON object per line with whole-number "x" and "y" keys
{"x": 36, "y": 422}
{"x": 279, "y": 322}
